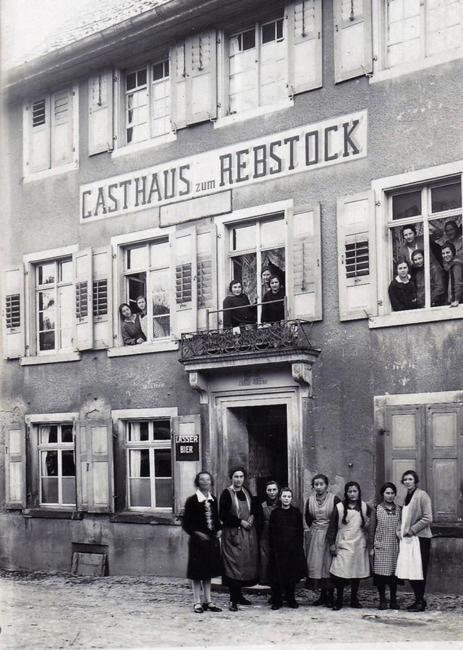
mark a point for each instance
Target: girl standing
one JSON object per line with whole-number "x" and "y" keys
{"x": 348, "y": 544}
{"x": 267, "y": 507}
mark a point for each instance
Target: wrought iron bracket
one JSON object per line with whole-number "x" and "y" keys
{"x": 197, "y": 383}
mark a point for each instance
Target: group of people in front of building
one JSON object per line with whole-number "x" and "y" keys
{"x": 247, "y": 542}
{"x": 407, "y": 289}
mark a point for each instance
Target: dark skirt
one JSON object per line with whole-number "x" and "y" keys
{"x": 381, "y": 581}
{"x": 204, "y": 559}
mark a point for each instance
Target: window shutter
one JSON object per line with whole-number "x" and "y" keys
{"x": 82, "y": 466}
{"x": 37, "y": 127}
{"x": 15, "y": 466}
{"x": 304, "y": 33}
{"x": 356, "y": 263}
{"x": 201, "y": 95}
{"x": 185, "y": 280}
{"x": 404, "y": 444}
{"x": 96, "y": 464}
{"x": 62, "y": 138}
{"x": 353, "y": 49}
{"x": 101, "y": 298}
{"x": 304, "y": 286}
{"x": 207, "y": 277}
{"x": 13, "y": 316}
{"x": 185, "y": 471}
{"x": 177, "y": 63}
{"x": 444, "y": 428}
{"x": 100, "y": 113}
{"x": 83, "y": 292}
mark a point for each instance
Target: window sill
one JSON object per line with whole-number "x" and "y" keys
{"x": 412, "y": 317}
{"x": 143, "y": 348}
{"x": 55, "y": 171}
{"x": 43, "y": 513}
{"x": 50, "y": 358}
{"x": 248, "y": 115}
{"x": 415, "y": 66}
{"x": 152, "y": 518}
{"x": 142, "y": 146}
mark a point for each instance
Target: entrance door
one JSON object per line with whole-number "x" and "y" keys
{"x": 258, "y": 440}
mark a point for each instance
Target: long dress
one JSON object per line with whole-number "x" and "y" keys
{"x": 264, "y": 541}
{"x": 317, "y": 516}
{"x": 352, "y": 559}
{"x": 385, "y": 544}
{"x": 239, "y": 545}
{"x": 286, "y": 533}
{"x": 201, "y": 514}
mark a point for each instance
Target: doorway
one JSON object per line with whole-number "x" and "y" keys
{"x": 258, "y": 440}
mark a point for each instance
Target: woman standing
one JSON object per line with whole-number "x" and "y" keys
{"x": 274, "y": 311}
{"x": 318, "y": 511}
{"x": 415, "y": 539}
{"x": 238, "y": 310}
{"x": 287, "y": 562}
{"x": 201, "y": 522}
{"x": 348, "y": 543}
{"x": 239, "y": 540}
{"x": 266, "y": 508}
{"x": 385, "y": 545}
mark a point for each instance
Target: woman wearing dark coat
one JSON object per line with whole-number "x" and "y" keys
{"x": 402, "y": 290}
{"x": 132, "y": 333}
{"x": 273, "y": 312}
{"x": 287, "y": 561}
{"x": 238, "y": 308}
{"x": 201, "y": 522}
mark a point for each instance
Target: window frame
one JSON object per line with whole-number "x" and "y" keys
{"x": 55, "y": 287}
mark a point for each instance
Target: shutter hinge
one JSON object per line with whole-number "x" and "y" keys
{"x": 377, "y": 203}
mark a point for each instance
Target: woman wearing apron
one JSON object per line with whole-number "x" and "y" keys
{"x": 239, "y": 538}
{"x": 415, "y": 539}
{"x": 385, "y": 545}
{"x": 318, "y": 511}
{"x": 348, "y": 543}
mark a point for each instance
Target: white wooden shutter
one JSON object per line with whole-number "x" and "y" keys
{"x": 304, "y": 33}
{"x": 185, "y": 471}
{"x": 353, "y": 48}
{"x": 185, "y": 280}
{"x": 13, "y": 313}
{"x": 356, "y": 260}
{"x": 304, "y": 286}
{"x": 62, "y": 127}
{"x": 97, "y": 464}
{"x": 83, "y": 304}
{"x": 178, "y": 74}
{"x": 82, "y": 465}
{"x": 201, "y": 52}
{"x": 15, "y": 466}
{"x": 37, "y": 131}
{"x": 207, "y": 276}
{"x": 102, "y": 298}
{"x": 100, "y": 113}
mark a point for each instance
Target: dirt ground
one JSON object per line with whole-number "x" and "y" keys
{"x": 62, "y": 611}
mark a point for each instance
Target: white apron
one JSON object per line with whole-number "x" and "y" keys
{"x": 352, "y": 559}
{"x": 409, "y": 564}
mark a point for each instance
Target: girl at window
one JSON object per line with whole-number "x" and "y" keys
{"x": 437, "y": 280}
{"x": 141, "y": 304}
{"x": 239, "y": 540}
{"x": 287, "y": 562}
{"x": 415, "y": 539}
{"x": 453, "y": 235}
{"x": 201, "y": 522}
{"x": 275, "y": 311}
{"x": 238, "y": 308}
{"x": 454, "y": 266}
{"x": 402, "y": 290}
{"x": 347, "y": 536}
{"x": 412, "y": 241}
{"x": 385, "y": 545}
{"x": 132, "y": 333}
{"x": 318, "y": 511}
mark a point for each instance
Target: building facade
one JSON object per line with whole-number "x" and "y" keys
{"x": 195, "y": 143}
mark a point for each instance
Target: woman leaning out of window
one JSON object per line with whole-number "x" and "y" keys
{"x": 454, "y": 266}
{"x": 237, "y": 308}
{"x": 132, "y": 333}
{"x": 402, "y": 290}
{"x": 274, "y": 311}
{"x": 201, "y": 522}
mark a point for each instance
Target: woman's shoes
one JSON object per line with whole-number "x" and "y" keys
{"x": 319, "y": 602}
{"x": 337, "y": 606}
{"x": 233, "y": 607}
{"x": 275, "y": 606}
{"x": 394, "y": 604}
{"x": 383, "y": 604}
{"x": 210, "y": 607}
{"x": 198, "y": 609}
{"x": 355, "y": 603}
{"x": 244, "y": 601}
{"x": 293, "y": 604}
{"x": 418, "y": 606}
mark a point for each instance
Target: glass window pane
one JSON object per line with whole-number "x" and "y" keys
{"x": 244, "y": 269}
{"x": 137, "y": 257}
{"x": 248, "y": 39}
{"x": 131, "y": 80}
{"x": 137, "y": 431}
{"x": 140, "y": 492}
{"x": 446, "y": 197}
{"x": 163, "y": 493}
{"x": 272, "y": 232}
{"x": 139, "y": 463}
{"x": 406, "y": 205}
{"x": 68, "y": 466}
{"x": 243, "y": 237}
{"x": 67, "y": 433}
{"x": 268, "y": 32}
{"x": 49, "y": 463}
{"x": 160, "y": 70}
{"x": 141, "y": 77}
{"x": 46, "y": 341}
{"x": 48, "y": 433}
{"x": 160, "y": 285}
{"x": 65, "y": 271}
{"x": 136, "y": 286}
{"x": 46, "y": 273}
{"x": 50, "y": 490}
{"x": 69, "y": 491}
{"x": 162, "y": 463}
{"x": 161, "y": 430}
{"x": 160, "y": 254}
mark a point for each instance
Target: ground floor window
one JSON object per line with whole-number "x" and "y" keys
{"x": 57, "y": 466}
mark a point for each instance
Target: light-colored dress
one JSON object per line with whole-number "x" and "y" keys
{"x": 409, "y": 564}
{"x": 319, "y": 556}
{"x": 352, "y": 559}
{"x": 386, "y": 544}
{"x": 264, "y": 543}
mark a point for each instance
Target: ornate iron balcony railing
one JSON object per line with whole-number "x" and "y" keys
{"x": 248, "y": 340}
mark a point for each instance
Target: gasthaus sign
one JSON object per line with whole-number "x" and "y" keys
{"x": 307, "y": 147}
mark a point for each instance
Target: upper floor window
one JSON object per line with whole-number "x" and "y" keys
{"x": 57, "y": 465}
{"x": 54, "y": 305}
{"x": 50, "y": 132}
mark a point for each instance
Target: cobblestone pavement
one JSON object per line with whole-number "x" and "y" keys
{"x": 42, "y": 610}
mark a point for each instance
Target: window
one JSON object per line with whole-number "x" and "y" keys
{"x": 149, "y": 464}
{"x": 421, "y": 219}
{"x": 50, "y": 131}
{"x": 57, "y": 466}
{"x": 54, "y": 305}
{"x": 147, "y": 102}
{"x": 147, "y": 273}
